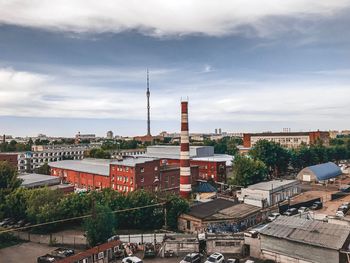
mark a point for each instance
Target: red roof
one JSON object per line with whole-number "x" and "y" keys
{"x": 90, "y": 252}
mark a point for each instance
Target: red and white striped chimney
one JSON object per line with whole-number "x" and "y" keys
{"x": 185, "y": 169}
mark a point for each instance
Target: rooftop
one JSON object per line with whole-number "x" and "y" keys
{"x": 98, "y": 166}
{"x": 222, "y": 209}
{"x": 270, "y": 185}
{"x": 283, "y": 133}
{"x": 217, "y": 158}
{"x": 325, "y": 171}
{"x": 311, "y": 232}
{"x": 35, "y": 180}
{"x": 207, "y": 209}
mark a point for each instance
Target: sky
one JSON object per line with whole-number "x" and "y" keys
{"x": 244, "y": 65}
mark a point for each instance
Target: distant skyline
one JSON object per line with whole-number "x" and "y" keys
{"x": 69, "y": 66}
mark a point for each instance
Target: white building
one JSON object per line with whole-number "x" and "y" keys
{"x": 28, "y": 161}
{"x": 270, "y": 193}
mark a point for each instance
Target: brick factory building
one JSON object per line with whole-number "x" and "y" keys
{"x": 287, "y": 139}
{"x": 11, "y": 158}
{"x": 210, "y": 165}
{"x": 124, "y": 175}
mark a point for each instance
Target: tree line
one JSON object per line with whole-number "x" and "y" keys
{"x": 267, "y": 160}
{"x": 45, "y": 205}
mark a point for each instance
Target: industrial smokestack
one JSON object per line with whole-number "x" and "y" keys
{"x": 185, "y": 169}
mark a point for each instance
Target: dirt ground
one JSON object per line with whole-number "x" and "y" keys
{"x": 24, "y": 252}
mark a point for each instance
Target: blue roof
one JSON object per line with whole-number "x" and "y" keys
{"x": 325, "y": 171}
{"x": 205, "y": 188}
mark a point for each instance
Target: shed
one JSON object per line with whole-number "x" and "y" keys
{"x": 319, "y": 172}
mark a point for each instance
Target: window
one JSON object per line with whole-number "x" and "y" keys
{"x": 100, "y": 255}
{"x": 188, "y": 224}
{"x": 142, "y": 169}
{"x": 156, "y": 168}
{"x": 172, "y": 180}
{"x": 142, "y": 179}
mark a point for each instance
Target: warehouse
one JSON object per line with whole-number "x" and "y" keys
{"x": 320, "y": 172}
{"x": 219, "y": 216}
{"x": 38, "y": 180}
{"x": 293, "y": 239}
{"x": 269, "y": 193}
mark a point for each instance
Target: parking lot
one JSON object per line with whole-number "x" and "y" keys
{"x": 24, "y": 252}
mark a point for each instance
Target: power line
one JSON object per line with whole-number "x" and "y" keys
{"x": 77, "y": 217}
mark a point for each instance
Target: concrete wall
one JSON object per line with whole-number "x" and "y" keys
{"x": 297, "y": 251}
{"x": 227, "y": 245}
{"x": 181, "y": 247}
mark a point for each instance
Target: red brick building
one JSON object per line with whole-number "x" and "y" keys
{"x": 287, "y": 139}
{"x": 207, "y": 169}
{"x": 125, "y": 175}
{"x": 210, "y": 165}
{"x": 11, "y": 158}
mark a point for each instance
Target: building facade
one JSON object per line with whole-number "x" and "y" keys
{"x": 124, "y": 175}
{"x": 287, "y": 139}
{"x": 29, "y": 161}
{"x": 293, "y": 239}
{"x": 269, "y": 193}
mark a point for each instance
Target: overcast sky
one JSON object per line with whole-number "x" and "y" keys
{"x": 245, "y": 65}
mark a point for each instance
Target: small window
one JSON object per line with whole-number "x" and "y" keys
{"x": 142, "y": 179}
{"x": 100, "y": 255}
{"x": 142, "y": 169}
{"x": 156, "y": 168}
{"x": 188, "y": 224}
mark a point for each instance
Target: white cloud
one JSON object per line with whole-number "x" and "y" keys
{"x": 159, "y": 17}
{"x": 35, "y": 95}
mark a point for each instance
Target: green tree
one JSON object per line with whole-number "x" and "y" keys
{"x": 275, "y": 157}
{"x": 43, "y": 169}
{"x": 99, "y": 153}
{"x": 100, "y": 226}
{"x": 16, "y": 203}
{"x": 303, "y": 157}
{"x": 9, "y": 182}
{"x": 175, "y": 207}
{"x": 247, "y": 171}
{"x": 42, "y": 206}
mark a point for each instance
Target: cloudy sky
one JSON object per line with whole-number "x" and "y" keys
{"x": 245, "y": 65}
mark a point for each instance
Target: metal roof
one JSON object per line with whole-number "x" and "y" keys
{"x": 204, "y": 210}
{"x": 311, "y": 232}
{"x": 217, "y": 158}
{"x": 35, "y": 180}
{"x": 205, "y": 187}
{"x": 325, "y": 171}
{"x": 272, "y": 185}
{"x": 98, "y": 166}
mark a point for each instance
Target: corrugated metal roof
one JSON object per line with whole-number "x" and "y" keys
{"x": 206, "y": 187}
{"x": 34, "y": 180}
{"x": 325, "y": 171}
{"x": 311, "y": 232}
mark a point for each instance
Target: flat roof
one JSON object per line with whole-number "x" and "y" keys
{"x": 98, "y": 166}
{"x": 310, "y": 232}
{"x": 285, "y": 133}
{"x": 217, "y": 158}
{"x": 270, "y": 185}
{"x": 35, "y": 180}
{"x": 222, "y": 209}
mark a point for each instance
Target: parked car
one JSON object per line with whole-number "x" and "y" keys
{"x": 191, "y": 258}
{"x": 215, "y": 258}
{"x": 20, "y": 223}
{"x": 273, "y": 216}
{"x": 303, "y": 209}
{"x": 317, "y": 205}
{"x": 250, "y": 261}
{"x": 343, "y": 208}
{"x": 131, "y": 260}
{"x": 232, "y": 260}
{"x": 340, "y": 213}
{"x": 5, "y": 222}
{"x": 291, "y": 212}
{"x": 347, "y": 204}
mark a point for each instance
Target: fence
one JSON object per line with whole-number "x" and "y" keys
{"x": 53, "y": 239}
